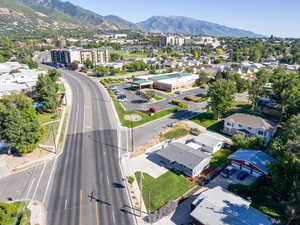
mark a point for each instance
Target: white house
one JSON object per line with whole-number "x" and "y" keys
{"x": 209, "y": 143}
{"x": 249, "y": 125}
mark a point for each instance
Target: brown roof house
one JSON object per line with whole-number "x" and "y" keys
{"x": 249, "y": 125}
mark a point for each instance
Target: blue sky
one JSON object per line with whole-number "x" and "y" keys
{"x": 278, "y": 17}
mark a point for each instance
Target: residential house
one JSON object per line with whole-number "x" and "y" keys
{"x": 208, "y": 143}
{"x": 249, "y": 125}
{"x": 218, "y": 206}
{"x": 182, "y": 158}
{"x": 252, "y": 161}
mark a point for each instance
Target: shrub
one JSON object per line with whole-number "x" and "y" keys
{"x": 130, "y": 179}
{"x": 188, "y": 98}
{"x": 179, "y": 103}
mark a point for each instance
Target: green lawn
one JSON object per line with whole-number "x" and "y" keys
{"x": 168, "y": 186}
{"x": 219, "y": 158}
{"x": 47, "y": 117}
{"x": 14, "y": 214}
{"x": 129, "y": 55}
{"x": 263, "y": 197}
{"x": 145, "y": 117}
{"x": 176, "y": 133}
{"x": 158, "y": 98}
{"x": 50, "y": 131}
{"x": 207, "y": 119}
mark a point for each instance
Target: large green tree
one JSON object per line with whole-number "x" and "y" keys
{"x": 47, "y": 90}
{"x": 19, "y": 126}
{"x": 221, "y": 94}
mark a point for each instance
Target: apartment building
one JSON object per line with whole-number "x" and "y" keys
{"x": 67, "y": 56}
{"x": 171, "y": 40}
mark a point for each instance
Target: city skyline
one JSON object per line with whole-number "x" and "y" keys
{"x": 268, "y": 17}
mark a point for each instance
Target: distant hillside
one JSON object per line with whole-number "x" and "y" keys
{"x": 185, "y": 25}
{"x": 36, "y": 17}
{"x": 17, "y": 18}
{"x": 77, "y": 13}
{"x": 124, "y": 24}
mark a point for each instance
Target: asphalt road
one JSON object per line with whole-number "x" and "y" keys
{"x": 89, "y": 164}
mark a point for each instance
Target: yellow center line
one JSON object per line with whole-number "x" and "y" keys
{"x": 97, "y": 214}
{"x": 80, "y": 207}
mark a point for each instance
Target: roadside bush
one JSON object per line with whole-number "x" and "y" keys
{"x": 162, "y": 212}
{"x": 188, "y": 98}
{"x": 130, "y": 179}
{"x": 179, "y": 103}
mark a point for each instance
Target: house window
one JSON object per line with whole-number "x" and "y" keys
{"x": 228, "y": 124}
{"x": 240, "y": 125}
{"x": 260, "y": 132}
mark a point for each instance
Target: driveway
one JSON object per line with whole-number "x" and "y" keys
{"x": 148, "y": 163}
{"x": 224, "y": 182}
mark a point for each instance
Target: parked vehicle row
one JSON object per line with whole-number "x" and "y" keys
{"x": 230, "y": 170}
{"x": 121, "y": 97}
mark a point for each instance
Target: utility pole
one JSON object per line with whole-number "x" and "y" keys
{"x": 132, "y": 146}
{"x": 141, "y": 190}
{"x": 54, "y": 141}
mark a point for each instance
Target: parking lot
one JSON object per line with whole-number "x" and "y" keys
{"x": 224, "y": 182}
{"x": 137, "y": 103}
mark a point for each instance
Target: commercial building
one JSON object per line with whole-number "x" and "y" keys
{"x": 182, "y": 158}
{"x": 217, "y": 206}
{"x": 67, "y": 56}
{"x": 167, "y": 82}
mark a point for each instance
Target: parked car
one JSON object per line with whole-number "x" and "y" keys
{"x": 177, "y": 92}
{"x": 139, "y": 92}
{"x": 122, "y": 98}
{"x": 228, "y": 171}
{"x": 242, "y": 175}
{"x": 195, "y": 131}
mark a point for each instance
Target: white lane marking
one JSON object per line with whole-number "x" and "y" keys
{"x": 49, "y": 180}
{"x": 66, "y": 202}
{"x": 113, "y": 216}
{"x": 107, "y": 179}
{"x": 29, "y": 189}
{"x": 39, "y": 181}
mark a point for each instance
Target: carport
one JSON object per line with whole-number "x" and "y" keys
{"x": 142, "y": 83}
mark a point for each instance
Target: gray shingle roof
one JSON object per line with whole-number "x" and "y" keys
{"x": 207, "y": 139}
{"x": 183, "y": 154}
{"x": 218, "y": 206}
{"x": 252, "y": 121}
{"x": 256, "y": 158}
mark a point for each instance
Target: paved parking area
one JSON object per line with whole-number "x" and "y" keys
{"x": 224, "y": 182}
{"x": 136, "y": 102}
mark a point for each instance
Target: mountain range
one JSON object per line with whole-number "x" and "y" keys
{"x": 56, "y": 16}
